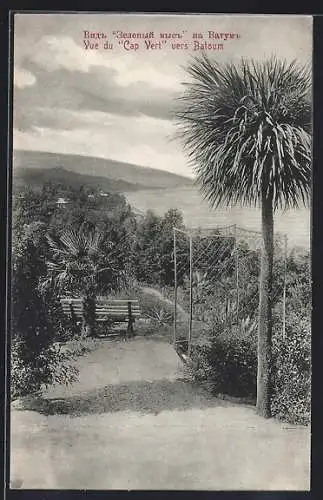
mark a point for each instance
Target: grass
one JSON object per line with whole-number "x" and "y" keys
{"x": 134, "y": 421}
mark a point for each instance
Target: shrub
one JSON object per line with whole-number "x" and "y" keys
{"x": 227, "y": 359}
{"x": 36, "y": 359}
{"x": 291, "y": 399}
{"x": 156, "y": 309}
{"x": 158, "y": 313}
{"x": 65, "y": 327}
{"x": 30, "y": 374}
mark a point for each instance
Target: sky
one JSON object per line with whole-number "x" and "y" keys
{"x": 117, "y": 103}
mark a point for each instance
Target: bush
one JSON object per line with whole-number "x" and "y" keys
{"x": 228, "y": 360}
{"x": 156, "y": 309}
{"x": 30, "y": 374}
{"x": 36, "y": 321}
{"x": 291, "y": 399}
{"x": 65, "y": 327}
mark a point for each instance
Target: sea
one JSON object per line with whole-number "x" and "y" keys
{"x": 295, "y": 224}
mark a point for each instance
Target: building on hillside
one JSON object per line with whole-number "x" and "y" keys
{"x": 61, "y": 202}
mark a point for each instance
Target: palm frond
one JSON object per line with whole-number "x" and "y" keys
{"x": 75, "y": 257}
{"x": 246, "y": 130}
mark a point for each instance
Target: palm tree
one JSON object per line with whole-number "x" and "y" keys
{"x": 76, "y": 266}
{"x": 246, "y": 129}
{"x": 76, "y": 259}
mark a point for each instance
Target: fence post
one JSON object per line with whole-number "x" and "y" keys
{"x": 130, "y": 321}
{"x": 89, "y": 314}
{"x": 284, "y": 288}
{"x": 237, "y": 271}
{"x": 175, "y": 287}
{"x": 191, "y": 296}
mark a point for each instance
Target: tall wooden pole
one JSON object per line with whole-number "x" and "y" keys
{"x": 237, "y": 283}
{"x": 237, "y": 272}
{"x": 191, "y": 297}
{"x": 175, "y": 288}
{"x": 284, "y": 289}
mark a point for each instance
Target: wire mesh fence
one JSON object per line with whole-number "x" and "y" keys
{"x": 216, "y": 280}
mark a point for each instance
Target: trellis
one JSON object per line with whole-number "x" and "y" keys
{"x": 192, "y": 263}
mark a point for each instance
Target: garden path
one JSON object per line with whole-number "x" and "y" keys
{"x": 133, "y": 421}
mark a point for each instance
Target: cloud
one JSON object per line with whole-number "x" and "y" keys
{"x": 94, "y": 90}
{"x": 118, "y": 104}
{"x": 77, "y": 79}
{"x": 56, "y": 52}
{"x": 23, "y": 78}
{"x": 147, "y": 75}
{"x": 141, "y": 139}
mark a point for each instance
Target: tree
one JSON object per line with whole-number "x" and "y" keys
{"x": 246, "y": 128}
{"x": 147, "y": 248}
{"x": 154, "y": 247}
{"x": 78, "y": 266}
{"x": 172, "y": 218}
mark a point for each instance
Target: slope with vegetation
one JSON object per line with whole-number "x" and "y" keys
{"x": 125, "y": 174}
{"x": 97, "y": 246}
{"x": 35, "y": 177}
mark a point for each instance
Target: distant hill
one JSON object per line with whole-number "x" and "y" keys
{"x": 35, "y": 177}
{"x": 118, "y": 176}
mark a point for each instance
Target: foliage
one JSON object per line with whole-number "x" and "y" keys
{"x": 215, "y": 292}
{"x": 228, "y": 359}
{"x": 75, "y": 262}
{"x": 65, "y": 327}
{"x": 172, "y": 219}
{"x": 82, "y": 263}
{"x": 94, "y": 250}
{"x": 147, "y": 246}
{"x": 246, "y": 127}
{"x": 157, "y": 310}
{"x": 226, "y": 356}
{"x": 29, "y": 374}
{"x": 153, "y": 251}
{"x": 84, "y": 205}
{"x": 34, "y": 359}
{"x": 84, "y": 250}
{"x": 291, "y": 399}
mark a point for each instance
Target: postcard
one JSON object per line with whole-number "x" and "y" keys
{"x": 161, "y": 256}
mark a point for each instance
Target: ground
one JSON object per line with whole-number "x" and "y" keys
{"x": 133, "y": 421}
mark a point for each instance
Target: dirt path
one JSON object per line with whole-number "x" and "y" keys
{"x": 133, "y": 422}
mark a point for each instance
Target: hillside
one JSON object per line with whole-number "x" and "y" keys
{"x": 135, "y": 176}
{"x": 35, "y": 177}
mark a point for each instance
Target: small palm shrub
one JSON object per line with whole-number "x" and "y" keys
{"x": 157, "y": 310}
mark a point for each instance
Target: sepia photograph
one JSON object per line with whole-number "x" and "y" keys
{"x": 161, "y": 289}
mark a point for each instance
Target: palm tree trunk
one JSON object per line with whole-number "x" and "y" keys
{"x": 265, "y": 311}
{"x": 89, "y": 315}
